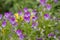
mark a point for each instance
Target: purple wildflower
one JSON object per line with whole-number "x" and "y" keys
{"x": 43, "y": 2}
{"x": 27, "y": 14}
{"x": 18, "y": 32}
{"x": 55, "y": 1}
{"x": 20, "y": 13}
{"x": 46, "y": 16}
{"x": 21, "y": 37}
{"x": 34, "y": 18}
{"x": 15, "y": 24}
{"x": 0, "y": 16}
{"x": 8, "y": 14}
{"x": 48, "y": 6}
{"x": 34, "y": 12}
{"x": 34, "y": 24}
{"x": 39, "y": 39}
{"x": 51, "y": 35}
{"x": 25, "y": 9}
{"x": 27, "y": 19}
{"x": 12, "y": 20}
{"x": 4, "y": 23}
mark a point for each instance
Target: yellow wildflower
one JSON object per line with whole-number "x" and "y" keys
{"x": 16, "y": 15}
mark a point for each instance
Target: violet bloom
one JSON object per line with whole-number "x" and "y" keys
{"x": 7, "y": 14}
{"x": 21, "y": 37}
{"x": 34, "y": 18}
{"x": 27, "y": 19}
{"x": 12, "y": 20}
{"x": 34, "y": 12}
{"x": 20, "y": 13}
{"x": 46, "y": 16}
{"x": 43, "y": 2}
{"x": 39, "y": 39}
{"x": 25, "y": 9}
{"x": 34, "y": 24}
{"x": 0, "y": 16}
{"x": 4, "y": 23}
{"x": 18, "y": 32}
{"x": 48, "y": 6}
{"x": 27, "y": 14}
{"x": 15, "y": 24}
{"x": 55, "y": 1}
{"x": 51, "y": 35}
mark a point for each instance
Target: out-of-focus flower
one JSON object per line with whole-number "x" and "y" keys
{"x": 39, "y": 39}
{"x": 4, "y": 23}
{"x": 43, "y": 2}
{"x": 46, "y": 16}
{"x": 16, "y": 15}
{"x": 34, "y": 12}
{"x": 20, "y": 13}
{"x": 15, "y": 24}
{"x": 7, "y": 14}
{"x": 34, "y": 24}
{"x": 25, "y": 9}
{"x": 27, "y": 14}
{"x": 51, "y": 35}
{"x": 48, "y": 6}
{"x": 21, "y": 37}
{"x": 55, "y": 1}
{"x": 0, "y": 16}
{"x": 12, "y": 20}
{"x": 27, "y": 19}
{"x": 18, "y": 32}
{"x": 34, "y": 18}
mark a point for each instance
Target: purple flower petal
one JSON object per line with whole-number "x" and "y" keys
{"x": 20, "y": 13}
{"x": 43, "y": 2}
{"x": 34, "y": 18}
{"x": 25, "y": 9}
{"x": 18, "y": 32}
{"x": 51, "y": 35}
{"x": 3, "y": 23}
{"x": 48, "y": 6}
{"x": 34, "y": 24}
{"x": 46, "y": 16}
{"x": 27, "y": 19}
{"x": 12, "y": 20}
{"x": 27, "y": 14}
{"x": 0, "y": 16}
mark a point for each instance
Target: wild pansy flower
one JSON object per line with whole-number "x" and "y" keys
{"x": 15, "y": 24}
{"x": 4, "y": 23}
{"x": 21, "y": 37}
{"x": 43, "y": 2}
{"x": 0, "y": 16}
{"x": 51, "y": 35}
{"x": 48, "y": 6}
{"x": 46, "y": 16}
{"x": 25, "y": 9}
{"x": 20, "y": 13}
{"x": 12, "y": 20}
{"x": 55, "y": 1}
{"x": 20, "y": 34}
{"x": 34, "y": 18}
{"x": 26, "y": 14}
{"x": 34, "y": 12}
{"x": 7, "y": 14}
{"x": 27, "y": 19}
{"x": 34, "y": 24}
